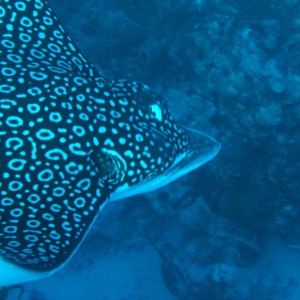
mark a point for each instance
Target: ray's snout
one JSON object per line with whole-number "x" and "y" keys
{"x": 201, "y": 148}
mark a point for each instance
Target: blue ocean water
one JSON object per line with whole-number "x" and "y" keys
{"x": 231, "y": 229}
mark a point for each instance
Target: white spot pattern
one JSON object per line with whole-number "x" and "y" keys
{"x": 56, "y": 114}
{"x": 40, "y": 166}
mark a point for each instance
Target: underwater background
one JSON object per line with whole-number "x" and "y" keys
{"x": 231, "y": 229}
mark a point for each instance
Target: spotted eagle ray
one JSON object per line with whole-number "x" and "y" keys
{"x": 70, "y": 141}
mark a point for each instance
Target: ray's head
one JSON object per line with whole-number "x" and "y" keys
{"x": 144, "y": 148}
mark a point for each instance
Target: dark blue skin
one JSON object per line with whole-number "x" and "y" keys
{"x": 70, "y": 138}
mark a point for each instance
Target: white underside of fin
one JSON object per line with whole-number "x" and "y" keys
{"x": 12, "y": 274}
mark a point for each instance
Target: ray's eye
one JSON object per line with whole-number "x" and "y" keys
{"x": 156, "y": 112}
{"x": 151, "y": 176}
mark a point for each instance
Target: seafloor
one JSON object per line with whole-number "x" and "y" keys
{"x": 230, "y": 230}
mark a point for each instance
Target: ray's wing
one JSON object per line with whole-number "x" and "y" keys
{"x": 31, "y": 35}
{"x": 50, "y": 192}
